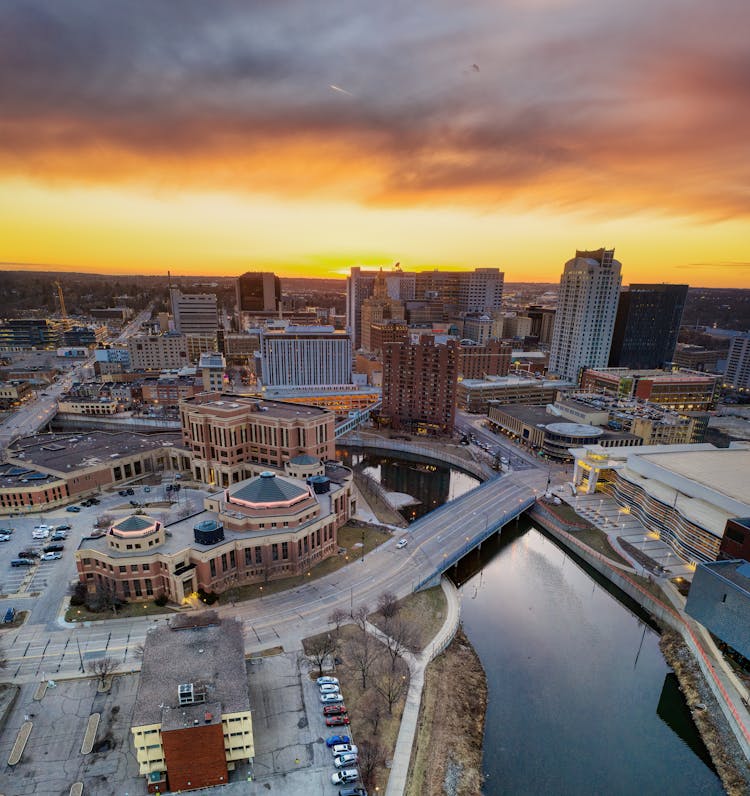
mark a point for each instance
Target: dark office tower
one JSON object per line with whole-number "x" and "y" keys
{"x": 647, "y": 325}
{"x": 258, "y": 291}
{"x": 419, "y": 385}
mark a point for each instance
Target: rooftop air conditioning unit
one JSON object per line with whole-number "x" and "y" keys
{"x": 186, "y": 694}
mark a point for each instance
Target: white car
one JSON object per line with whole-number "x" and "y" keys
{"x": 345, "y": 776}
{"x": 347, "y": 759}
{"x": 331, "y": 699}
{"x": 50, "y": 556}
{"x": 325, "y": 680}
{"x": 329, "y": 688}
{"x": 40, "y": 534}
{"x": 344, "y": 748}
{"x": 401, "y": 544}
{"x": 4, "y": 537}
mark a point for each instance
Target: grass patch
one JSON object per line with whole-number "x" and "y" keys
{"x": 597, "y": 540}
{"x": 20, "y": 618}
{"x": 448, "y": 747}
{"x": 266, "y": 653}
{"x": 424, "y": 611}
{"x": 79, "y": 613}
{"x": 349, "y": 535}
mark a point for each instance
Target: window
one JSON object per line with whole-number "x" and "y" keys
{"x": 232, "y": 560}
{"x": 224, "y": 565}
{"x": 138, "y": 590}
{"x": 274, "y": 552}
{"x": 149, "y": 587}
{"x": 212, "y": 567}
{"x": 122, "y": 568}
{"x": 248, "y": 556}
{"x": 146, "y": 567}
{"x": 134, "y": 567}
{"x": 285, "y": 550}
{"x": 258, "y": 555}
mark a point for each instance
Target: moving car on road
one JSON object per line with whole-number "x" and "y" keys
{"x": 402, "y": 543}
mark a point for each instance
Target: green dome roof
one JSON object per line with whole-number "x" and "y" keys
{"x": 269, "y": 488}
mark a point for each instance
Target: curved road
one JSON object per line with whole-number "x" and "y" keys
{"x": 35, "y": 651}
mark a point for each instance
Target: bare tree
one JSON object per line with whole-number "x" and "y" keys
{"x": 364, "y": 651}
{"x": 371, "y": 757}
{"x": 401, "y": 638}
{"x": 102, "y": 668}
{"x": 360, "y": 617}
{"x": 391, "y": 683}
{"x": 321, "y": 648}
{"x": 372, "y": 706}
{"x": 338, "y": 618}
{"x": 104, "y": 520}
{"x": 388, "y": 606}
{"x": 103, "y": 598}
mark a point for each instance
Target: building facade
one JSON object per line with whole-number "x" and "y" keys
{"x": 480, "y": 290}
{"x": 258, "y": 292}
{"x": 475, "y": 395}
{"x": 158, "y": 351}
{"x": 419, "y": 385}
{"x": 268, "y": 527}
{"x": 586, "y": 310}
{"x": 229, "y": 435}
{"x": 738, "y": 363}
{"x": 305, "y": 356}
{"x": 647, "y": 326}
{"x": 680, "y": 390}
{"x": 480, "y": 361}
{"x": 192, "y": 720}
{"x": 194, "y": 313}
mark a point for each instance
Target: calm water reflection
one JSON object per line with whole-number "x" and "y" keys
{"x": 579, "y": 696}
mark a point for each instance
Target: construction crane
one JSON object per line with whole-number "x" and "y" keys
{"x": 63, "y": 311}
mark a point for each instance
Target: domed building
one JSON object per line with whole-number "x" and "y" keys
{"x": 265, "y": 528}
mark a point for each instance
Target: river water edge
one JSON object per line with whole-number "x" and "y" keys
{"x": 581, "y": 699}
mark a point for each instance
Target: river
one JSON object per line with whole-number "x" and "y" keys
{"x": 581, "y": 700}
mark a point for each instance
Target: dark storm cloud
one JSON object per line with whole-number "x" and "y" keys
{"x": 637, "y": 105}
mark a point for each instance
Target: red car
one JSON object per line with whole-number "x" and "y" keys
{"x": 336, "y": 721}
{"x": 334, "y": 710}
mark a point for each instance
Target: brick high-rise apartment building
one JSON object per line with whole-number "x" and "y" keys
{"x": 479, "y": 361}
{"x": 419, "y": 385}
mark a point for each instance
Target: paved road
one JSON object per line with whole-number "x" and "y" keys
{"x": 493, "y": 444}
{"x": 282, "y": 619}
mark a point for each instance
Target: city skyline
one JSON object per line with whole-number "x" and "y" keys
{"x": 223, "y": 138}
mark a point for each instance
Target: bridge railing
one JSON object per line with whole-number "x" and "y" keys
{"x": 490, "y": 528}
{"x": 476, "y": 469}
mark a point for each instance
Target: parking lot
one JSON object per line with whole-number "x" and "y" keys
{"x": 291, "y": 757}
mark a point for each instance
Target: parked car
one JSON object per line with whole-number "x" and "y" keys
{"x": 39, "y": 535}
{"x": 129, "y": 491}
{"x": 344, "y": 748}
{"x": 325, "y": 680}
{"x": 73, "y": 509}
{"x": 329, "y": 699}
{"x": 123, "y": 493}
{"x": 355, "y": 791}
{"x": 22, "y": 562}
{"x": 7, "y": 531}
{"x": 10, "y": 615}
{"x": 146, "y": 488}
{"x": 329, "y": 688}
{"x": 94, "y": 501}
{"x": 28, "y": 554}
{"x": 333, "y": 710}
{"x": 347, "y": 759}
{"x": 59, "y": 536}
{"x": 402, "y": 543}
{"x": 51, "y": 556}
{"x": 4, "y": 537}
{"x": 331, "y": 721}
{"x": 64, "y": 527}
{"x": 334, "y": 740}
{"x": 345, "y": 776}
{"x": 54, "y": 548}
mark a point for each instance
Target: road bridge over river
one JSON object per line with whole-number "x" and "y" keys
{"x": 436, "y": 542}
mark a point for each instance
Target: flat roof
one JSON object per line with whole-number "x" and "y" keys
{"x": 230, "y": 402}
{"x": 736, "y": 571}
{"x": 515, "y": 381}
{"x": 724, "y": 470}
{"x": 211, "y": 657}
{"x": 65, "y": 452}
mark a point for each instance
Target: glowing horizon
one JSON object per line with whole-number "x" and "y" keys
{"x": 303, "y": 141}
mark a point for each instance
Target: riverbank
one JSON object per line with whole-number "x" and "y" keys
{"x": 447, "y": 755}
{"x": 728, "y": 759}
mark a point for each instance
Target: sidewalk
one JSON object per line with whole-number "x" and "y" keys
{"x": 417, "y": 665}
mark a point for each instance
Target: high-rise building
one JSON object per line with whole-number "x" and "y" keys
{"x": 419, "y": 385}
{"x": 304, "y": 356}
{"x": 479, "y": 361}
{"x": 387, "y": 331}
{"x": 480, "y": 290}
{"x": 158, "y": 351}
{"x": 258, "y": 291}
{"x": 738, "y": 363}
{"x": 398, "y": 285}
{"x": 542, "y": 323}
{"x": 379, "y": 307}
{"x": 586, "y": 310}
{"x": 647, "y": 326}
{"x": 194, "y": 313}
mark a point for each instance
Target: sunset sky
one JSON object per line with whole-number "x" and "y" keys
{"x": 305, "y": 137}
